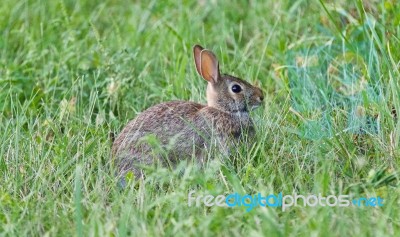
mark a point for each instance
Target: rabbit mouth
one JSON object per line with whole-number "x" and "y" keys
{"x": 246, "y": 108}
{"x": 241, "y": 110}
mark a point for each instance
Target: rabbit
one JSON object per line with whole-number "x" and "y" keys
{"x": 187, "y": 128}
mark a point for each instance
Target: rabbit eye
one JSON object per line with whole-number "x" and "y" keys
{"x": 236, "y": 88}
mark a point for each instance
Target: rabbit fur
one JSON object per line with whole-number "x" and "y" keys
{"x": 187, "y": 129}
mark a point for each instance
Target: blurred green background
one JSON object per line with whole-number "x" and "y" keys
{"x": 72, "y": 73}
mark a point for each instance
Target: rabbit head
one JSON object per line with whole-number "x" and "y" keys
{"x": 225, "y": 92}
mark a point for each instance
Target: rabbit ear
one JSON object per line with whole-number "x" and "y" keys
{"x": 206, "y": 64}
{"x": 197, "y": 61}
{"x": 209, "y": 66}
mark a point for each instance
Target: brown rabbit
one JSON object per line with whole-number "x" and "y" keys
{"x": 187, "y": 128}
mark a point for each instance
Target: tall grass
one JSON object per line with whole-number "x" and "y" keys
{"x": 74, "y": 72}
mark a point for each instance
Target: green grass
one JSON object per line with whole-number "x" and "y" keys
{"x": 72, "y": 72}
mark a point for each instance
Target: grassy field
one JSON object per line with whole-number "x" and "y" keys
{"x": 74, "y": 72}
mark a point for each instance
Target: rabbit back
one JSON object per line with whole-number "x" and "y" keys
{"x": 183, "y": 129}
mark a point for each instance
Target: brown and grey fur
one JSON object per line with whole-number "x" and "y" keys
{"x": 187, "y": 129}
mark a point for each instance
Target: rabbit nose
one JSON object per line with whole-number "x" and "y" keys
{"x": 260, "y": 95}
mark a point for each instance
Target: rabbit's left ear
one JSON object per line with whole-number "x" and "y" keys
{"x": 197, "y": 61}
{"x": 206, "y": 64}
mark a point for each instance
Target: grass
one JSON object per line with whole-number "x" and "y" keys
{"x": 72, "y": 72}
